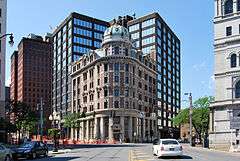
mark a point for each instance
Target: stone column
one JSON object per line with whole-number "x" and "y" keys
{"x": 72, "y": 135}
{"x": 87, "y": 130}
{"x": 148, "y": 129}
{"x": 102, "y": 128}
{"x": 110, "y": 129}
{"x": 130, "y": 128}
{"x": 144, "y": 129}
{"x": 96, "y": 125}
{"x": 122, "y": 128}
{"x": 81, "y": 131}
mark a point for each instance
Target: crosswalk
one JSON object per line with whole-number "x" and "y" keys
{"x": 139, "y": 155}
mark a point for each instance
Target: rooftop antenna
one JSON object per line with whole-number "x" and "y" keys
{"x": 134, "y": 15}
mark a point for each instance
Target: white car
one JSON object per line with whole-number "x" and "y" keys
{"x": 167, "y": 147}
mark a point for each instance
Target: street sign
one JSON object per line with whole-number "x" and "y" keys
{"x": 234, "y": 122}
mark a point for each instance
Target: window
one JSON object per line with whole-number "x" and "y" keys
{"x": 228, "y": 7}
{"x": 116, "y": 92}
{"x": 134, "y": 28}
{"x": 238, "y": 5}
{"x": 105, "y": 105}
{"x": 135, "y": 36}
{"x": 148, "y": 31}
{"x": 105, "y": 67}
{"x": 233, "y": 60}
{"x": 82, "y": 32}
{"x": 237, "y": 90}
{"x": 116, "y": 67}
{"x": 116, "y": 79}
{"x": 148, "y": 40}
{"x": 148, "y": 23}
{"x": 229, "y": 31}
{"x": 98, "y": 36}
{"x": 82, "y": 23}
{"x": 99, "y": 27}
{"x": 116, "y": 104}
{"x": 116, "y": 50}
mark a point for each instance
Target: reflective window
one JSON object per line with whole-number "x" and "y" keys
{"x": 82, "y": 32}
{"x": 134, "y": 27}
{"x": 100, "y": 27}
{"x": 98, "y": 36}
{"x": 82, "y": 41}
{"x": 79, "y": 49}
{"x": 148, "y": 31}
{"x": 76, "y": 58}
{"x": 148, "y": 40}
{"x": 148, "y": 23}
{"x": 82, "y": 23}
{"x": 147, "y": 50}
{"x": 116, "y": 92}
{"x": 116, "y": 67}
{"x": 135, "y": 36}
{"x": 97, "y": 44}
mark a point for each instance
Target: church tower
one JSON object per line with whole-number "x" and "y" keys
{"x": 225, "y": 111}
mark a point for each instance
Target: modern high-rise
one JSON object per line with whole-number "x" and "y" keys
{"x": 74, "y": 37}
{"x": 3, "y": 25}
{"x": 225, "y": 111}
{"x": 31, "y": 74}
{"x": 150, "y": 33}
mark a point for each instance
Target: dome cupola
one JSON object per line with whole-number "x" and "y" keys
{"x": 116, "y": 33}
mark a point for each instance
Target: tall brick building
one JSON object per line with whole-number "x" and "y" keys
{"x": 31, "y": 72}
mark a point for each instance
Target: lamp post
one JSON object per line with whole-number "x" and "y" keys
{"x": 11, "y": 42}
{"x": 190, "y": 116}
{"x": 55, "y": 118}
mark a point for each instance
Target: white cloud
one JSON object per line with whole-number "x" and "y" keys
{"x": 211, "y": 82}
{"x": 200, "y": 66}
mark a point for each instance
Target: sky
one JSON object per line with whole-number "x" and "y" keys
{"x": 191, "y": 20}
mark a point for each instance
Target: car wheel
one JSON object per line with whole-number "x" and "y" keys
{"x": 34, "y": 155}
{"x": 7, "y": 158}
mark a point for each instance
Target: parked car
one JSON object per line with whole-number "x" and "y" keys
{"x": 32, "y": 149}
{"x": 5, "y": 153}
{"x": 167, "y": 147}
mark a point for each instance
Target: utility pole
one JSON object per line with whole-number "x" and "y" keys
{"x": 41, "y": 119}
{"x": 190, "y": 117}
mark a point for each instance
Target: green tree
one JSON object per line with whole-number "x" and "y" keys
{"x": 23, "y": 117}
{"x": 200, "y": 116}
{"x": 72, "y": 120}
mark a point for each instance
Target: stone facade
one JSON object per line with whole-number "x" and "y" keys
{"x": 227, "y": 73}
{"x": 115, "y": 86}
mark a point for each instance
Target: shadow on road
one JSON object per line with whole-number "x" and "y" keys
{"x": 55, "y": 159}
{"x": 182, "y": 157}
{"x": 102, "y": 145}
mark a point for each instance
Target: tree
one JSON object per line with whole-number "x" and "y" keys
{"x": 72, "y": 120}
{"x": 23, "y": 117}
{"x": 200, "y": 116}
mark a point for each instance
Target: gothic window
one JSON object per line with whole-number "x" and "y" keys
{"x": 238, "y": 5}
{"x": 233, "y": 60}
{"x": 228, "y": 7}
{"x": 237, "y": 90}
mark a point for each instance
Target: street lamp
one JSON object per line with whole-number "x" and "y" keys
{"x": 190, "y": 115}
{"x": 55, "y": 117}
{"x": 11, "y": 42}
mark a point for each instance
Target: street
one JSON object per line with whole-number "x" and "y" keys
{"x": 138, "y": 152}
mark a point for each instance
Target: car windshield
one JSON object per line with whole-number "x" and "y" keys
{"x": 169, "y": 142}
{"x": 27, "y": 145}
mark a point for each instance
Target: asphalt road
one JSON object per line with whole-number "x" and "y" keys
{"x": 138, "y": 152}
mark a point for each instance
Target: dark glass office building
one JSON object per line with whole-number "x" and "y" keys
{"x": 75, "y": 36}
{"x": 152, "y": 35}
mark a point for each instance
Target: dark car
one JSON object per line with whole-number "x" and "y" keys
{"x": 31, "y": 150}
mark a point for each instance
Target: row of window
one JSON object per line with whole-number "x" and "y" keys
{"x": 79, "y": 49}
{"x": 149, "y": 40}
{"x": 100, "y": 27}
{"x": 82, "y": 41}
{"x": 82, "y": 23}
{"x": 82, "y": 32}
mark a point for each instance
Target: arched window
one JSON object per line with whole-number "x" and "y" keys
{"x": 228, "y": 7}
{"x": 233, "y": 60}
{"x": 238, "y": 5}
{"x": 237, "y": 90}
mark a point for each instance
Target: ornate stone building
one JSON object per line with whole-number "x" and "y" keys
{"x": 116, "y": 87}
{"x": 226, "y": 108}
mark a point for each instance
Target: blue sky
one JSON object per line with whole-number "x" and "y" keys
{"x": 191, "y": 20}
